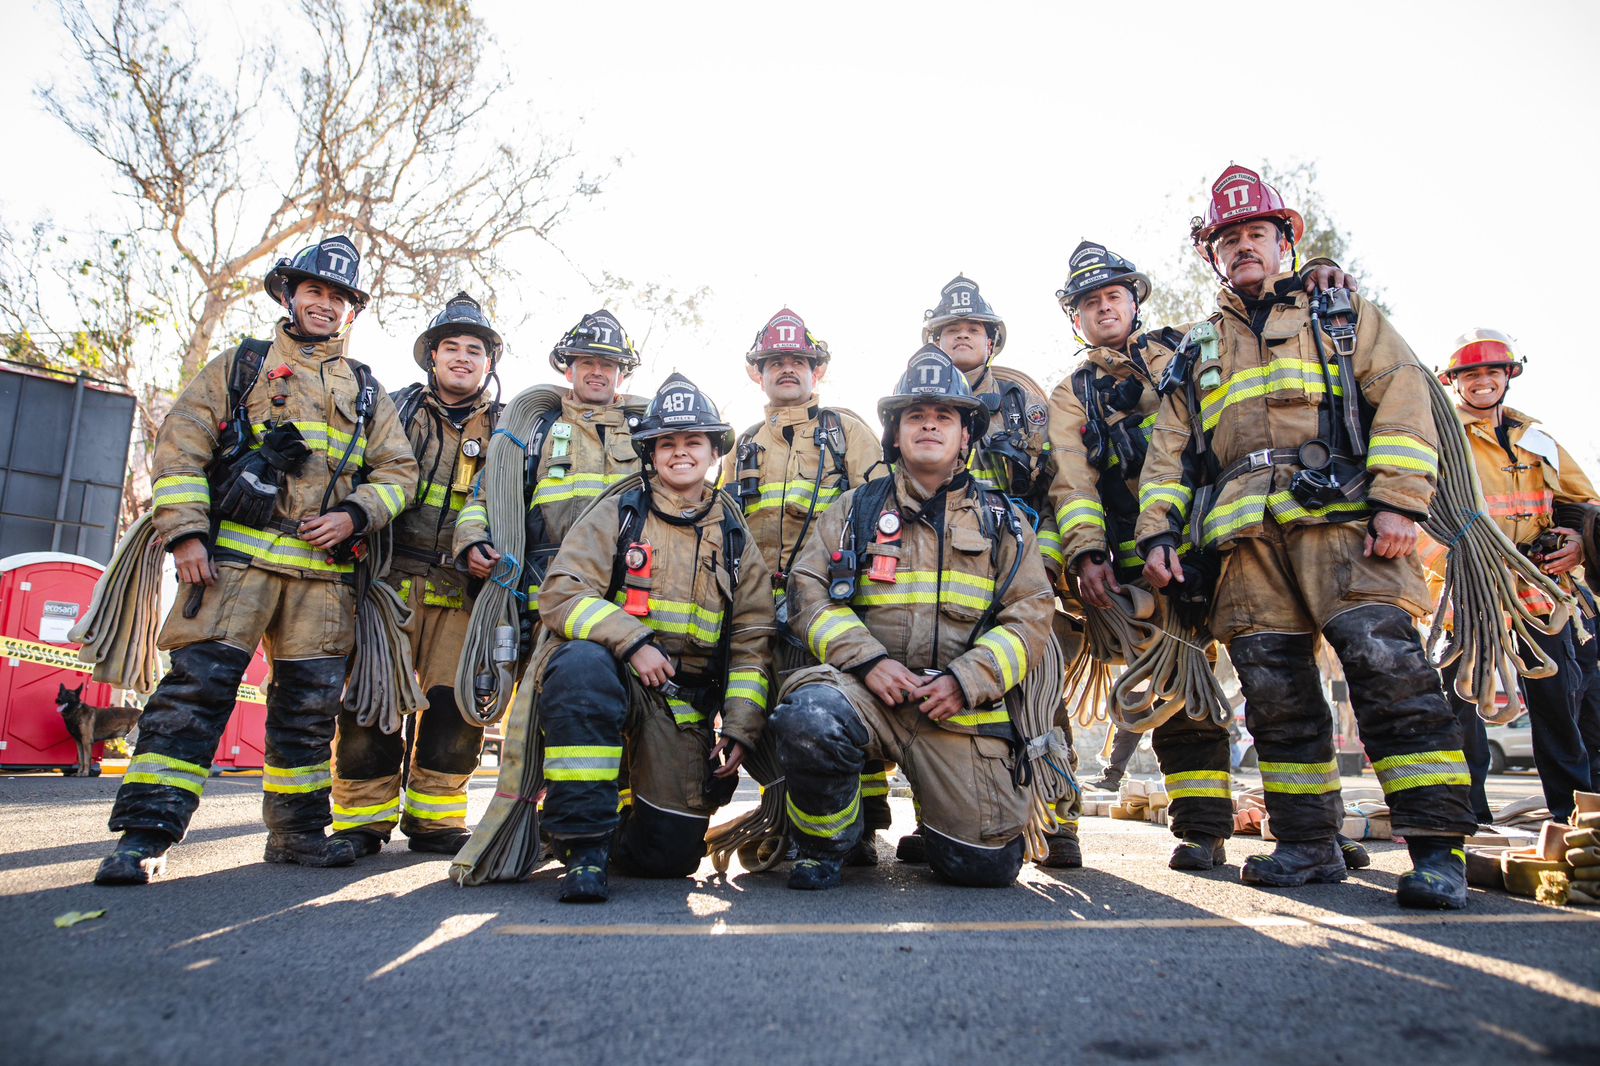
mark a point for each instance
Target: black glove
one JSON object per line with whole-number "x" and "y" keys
{"x": 1191, "y": 600}
{"x": 284, "y": 449}
{"x": 250, "y": 493}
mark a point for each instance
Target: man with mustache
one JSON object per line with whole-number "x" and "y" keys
{"x": 1295, "y": 437}
{"x": 921, "y": 595}
{"x": 448, "y": 421}
{"x": 786, "y": 471}
{"x": 258, "y": 500}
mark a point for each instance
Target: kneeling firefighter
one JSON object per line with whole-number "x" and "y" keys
{"x": 273, "y": 461}
{"x": 448, "y": 421}
{"x": 922, "y": 596}
{"x": 1296, "y": 438}
{"x": 663, "y": 607}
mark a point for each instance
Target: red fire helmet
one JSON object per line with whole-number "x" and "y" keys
{"x": 1238, "y": 196}
{"x": 1481, "y": 347}
{"x": 784, "y": 334}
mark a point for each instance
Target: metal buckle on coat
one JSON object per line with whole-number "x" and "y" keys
{"x": 1258, "y": 460}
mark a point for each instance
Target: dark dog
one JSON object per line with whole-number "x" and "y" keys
{"x": 87, "y": 724}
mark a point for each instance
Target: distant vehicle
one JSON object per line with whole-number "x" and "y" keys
{"x": 1510, "y": 745}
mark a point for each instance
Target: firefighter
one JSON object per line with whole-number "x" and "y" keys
{"x": 785, "y": 471}
{"x": 663, "y": 607}
{"x": 1013, "y": 457}
{"x": 258, "y": 499}
{"x": 1295, "y": 438}
{"x": 583, "y": 446}
{"x": 922, "y": 597}
{"x": 448, "y": 421}
{"x": 1528, "y": 481}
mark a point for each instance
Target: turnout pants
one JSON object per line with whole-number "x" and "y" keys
{"x": 308, "y": 626}
{"x": 828, "y": 724}
{"x": 630, "y": 770}
{"x": 373, "y": 785}
{"x": 1276, "y": 593}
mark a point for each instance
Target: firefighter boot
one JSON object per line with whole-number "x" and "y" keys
{"x": 1355, "y": 856}
{"x": 586, "y": 862}
{"x": 1294, "y": 863}
{"x": 1198, "y": 851}
{"x": 310, "y": 848}
{"x": 1437, "y": 879}
{"x": 813, "y": 875}
{"x": 912, "y": 848}
{"x": 865, "y": 853}
{"x": 440, "y": 841}
{"x": 140, "y": 857}
{"x": 1065, "y": 851}
{"x": 367, "y": 842}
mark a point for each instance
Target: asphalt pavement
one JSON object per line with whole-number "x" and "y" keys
{"x": 231, "y": 960}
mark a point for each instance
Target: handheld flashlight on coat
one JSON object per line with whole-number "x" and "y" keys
{"x": 639, "y": 559}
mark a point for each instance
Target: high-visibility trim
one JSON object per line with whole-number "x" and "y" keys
{"x": 1420, "y": 769}
{"x": 357, "y": 817}
{"x": 1285, "y": 508}
{"x": 177, "y": 489}
{"x": 432, "y": 597}
{"x": 746, "y": 684}
{"x": 684, "y": 712}
{"x": 393, "y": 497}
{"x": 574, "y": 486}
{"x": 1401, "y": 452}
{"x": 588, "y": 612}
{"x": 624, "y": 799}
{"x": 279, "y": 549}
{"x": 1076, "y": 513}
{"x": 473, "y": 512}
{"x": 582, "y": 762}
{"x": 875, "y": 784}
{"x": 318, "y": 437}
{"x": 1199, "y": 784}
{"x": 826, "y": 826}
{"x": 1285, "y": 373}
{"x": 928, "y": 587}
{"x": 152, "y": 769}
{"x": 829, "y": 623}
{"x": 798, "y": 493}
{"x": 1300, "y": 778}
{"x": 1050, "y": 546}
{"x": 684, "y": 619}
{"x": 1010, "y": 654}
{"x": 973, "y": 719}
{"x": 1179, "y": 495}
{"x": 442, "y": 496}
{"x": 1529, "y": 504}
{"x": 297, "y": 779}
{"x": 1250, "y": 510}
{"x": 435, "y": 808}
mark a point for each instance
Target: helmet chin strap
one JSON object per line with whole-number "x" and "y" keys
{"x": 315, "y": 338}
{"x": 1498, "y": 403}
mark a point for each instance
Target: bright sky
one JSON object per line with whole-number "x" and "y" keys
{"x": 848, "y": 159}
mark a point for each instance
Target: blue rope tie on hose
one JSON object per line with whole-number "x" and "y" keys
{"x": 509, "y": 567}
{"x": 1073, "y": 781}
{"x": 512, "y": 436}
{"x": 1471, "y": 518}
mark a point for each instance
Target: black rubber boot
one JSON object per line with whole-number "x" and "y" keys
{"x": 140, "y": 857}
{"x": 1355, "y": 856}
{"x": 440, "y": 841}
{"x": 1295, "y": 862}
{"x": 310, "y": 848}
{"x": 1065, "y": 851}
{"x": 366, "y": 841}
{"x": 912, "y": 848}
{"x": 1198, "y": 851}
{"x": 814, "y": 875}
{"x": 1438, "y": 877}
{"x": 865, "y": 853}
{"x": 585, "y": 879}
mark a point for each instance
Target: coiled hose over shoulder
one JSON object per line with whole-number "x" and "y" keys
{"x": 118, "y": 632}
{"x": 502, "y": 490}
{"x": 1481, "y": 615}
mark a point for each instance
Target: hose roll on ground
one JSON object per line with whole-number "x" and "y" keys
{"x": 118, "y": 632}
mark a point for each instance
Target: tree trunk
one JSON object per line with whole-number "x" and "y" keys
{"x": 212, "y": 312}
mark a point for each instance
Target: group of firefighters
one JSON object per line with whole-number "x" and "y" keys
{"x": 871, "y": 599}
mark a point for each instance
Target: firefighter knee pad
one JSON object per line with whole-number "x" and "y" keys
{"x": 1278, "y": 674}
{"x": 970, "y": 865}
{"x": 365, "y": 752}
{"x": 582, "y": 681}
{"x": 305, "y": 691}
{"x": 201, "y": 686}
{"x": 818, "y": 733}
{"x": 652, "y": 842}
{"x": 1378, "y": 645}
{"x": 446, "y": 742}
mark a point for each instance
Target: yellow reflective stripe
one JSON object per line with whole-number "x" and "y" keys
{"x": 582, "y": 762}
{"x": 1199, "y": 784}
{"x": 973, "y": 719}
{"x": 318, "y": 436}
{"x": 573, "y": 486}
{"x": 1225, "y": 519}
{"x": 393, "y": 497}
{"x": 1050, "y": 545}
{"x": 435, "y": 808}
{"x": 297, "y": 778}
{"x": 1404, "y": 453}
{"x": 875, "y": 784}
{"x": 356, "y": 817}
{"x": 1419, "y": 769}
{"x": 1280, "y": 374}
{"x": 748, "y": 685}
{"x": 920, "y": 586}
{"x": 684, "y": 619}
{"x": 829, "y": 623}
{"x": 175, "y": 489}
{"x": 1076, "y": 513}
{"x": 1010, "y": 654}
{"x": 1300, "y": 778}
{"x": 826, "y": 826}
{"x": 1285, "y": 508}
{"x": 152, "y": 769}
{"x": 800, "y": 493}
{"x": 684, "y": 712}
{"x": 589, "y": 612}
{"x": 1174, "y": 492}
{"x": 279, "y": 549}
{"x": 474, "y": 512}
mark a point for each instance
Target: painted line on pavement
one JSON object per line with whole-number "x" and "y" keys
{"x": 1266, "y": 921}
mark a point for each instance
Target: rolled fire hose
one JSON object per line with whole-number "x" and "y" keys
{"x": 759, "y": 837}
{"x": 381, "y": 684}
{"x": 1052, "y": 786}
{"x": 118, "y": 632}
{"x": 485, "y": 676}
{"x": 1484, "y": 573}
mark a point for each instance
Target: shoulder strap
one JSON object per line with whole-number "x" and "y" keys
{"x": 630, "y": 522}
{"x": 246, "y": 370}
{"x": 865, "y": 506}
{"x": 830, "y": 439}
{"x": 735, "y": 535}
{"x": 407, "y": 402}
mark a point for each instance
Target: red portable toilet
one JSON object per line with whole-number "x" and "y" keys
{"x": 42, "y": 596}
{"x": 244, "y": 741}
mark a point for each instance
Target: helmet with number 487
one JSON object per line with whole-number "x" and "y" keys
{"x": 680, "y": 407}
